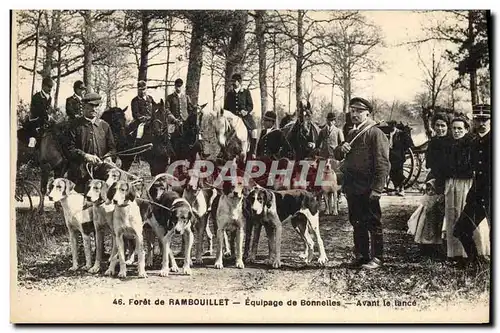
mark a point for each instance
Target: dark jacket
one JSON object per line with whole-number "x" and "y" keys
{"x": 84, "y": 137}
{"x": 367, "y": 166}
{"x": 459, "y": 161}
{"x": 236, "y": 102}
{"x": 328, "y": 139}
{"x": 273, "y": 145}
{"x": 436, "y": 159}
{"x": 74, "y": 107}
{"x": 40, "y": 109}
{"x": 173, "y": 106}
{"x": 300, "y": 138}
{"x": 481, "y": 164}
{"x": 142, "y": 107}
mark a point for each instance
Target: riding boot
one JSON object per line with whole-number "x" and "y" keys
{"x": 253, "y": 146}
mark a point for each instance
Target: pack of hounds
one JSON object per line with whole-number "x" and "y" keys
{"x": 135, "y": 213}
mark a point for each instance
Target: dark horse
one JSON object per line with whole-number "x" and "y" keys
{"x": 168, "y": 144}
{"x": 49, "y": 152}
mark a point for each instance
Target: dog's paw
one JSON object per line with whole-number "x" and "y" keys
{"x": 95, "y": 269}
{"x": 276, "y": 263}
{"x": 250, "y": 260}
{"x": 130, "y": 261}
{"x": 142, "y": 275}
{"x": 175, "y": 269}
{"x": 186, "y": 270}
{"x": 310, "y": 258}
{"x": 240, "y": 264}
{"x": 86, "y": 267}
{"x": 198, "y": 261}
{"x": 122, "y": 274}
{"x": 218, "y": 265}
{"x": 164, "y": 272}
{"x": 227, "y": 254}
{"x": 149, "y": 262}
{"x": 322, "y": 260}
{"x": 303, "y": 255}
{"x": 109, "y": 272}
{"x": 73, "y": 268}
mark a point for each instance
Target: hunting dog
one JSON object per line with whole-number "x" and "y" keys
{"x": 271, "y": 209}
{"x": 76, "y": 218}
{"x": 127, "y": 221}
{"x": 329, "y": 189}
{"x": 102, "y": 216}
{"x": 230, "y": 215}
{"x": 200, "y": 200}
{"x": 172, "y": 215}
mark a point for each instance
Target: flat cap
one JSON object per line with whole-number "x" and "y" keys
{"x": 330, "y": 116}
{"x": 92, "y": 98}
{"x": 481, "y": 111}
{"x": 270, "y": 115}
{"x": 141, "y": 85}
{"x": 361, "y": 104}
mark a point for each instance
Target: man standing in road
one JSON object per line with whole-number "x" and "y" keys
{"x": 366, "y": 168}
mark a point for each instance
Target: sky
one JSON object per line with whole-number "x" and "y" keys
{"x": 400, "y": 80}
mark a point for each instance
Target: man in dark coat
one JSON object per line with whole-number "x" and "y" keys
{"x": 74, "y": 105}
{"x": 478, "y": 202}
{"x": 142, "y": 107}
{"x": 329, "y": 137}
{"x": 272, "y": 143}
{"x": 89, "y": 140}
{"x": 40, "y": 104}
{"x": 239, "y": 101}
{"x": 399, "y": 142}
{"x": 366, "y": 168}
{"x": 177, "y": 104}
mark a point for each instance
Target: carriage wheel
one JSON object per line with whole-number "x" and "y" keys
{"x": 410, "y": 169}
{"x": 26, "y": 191}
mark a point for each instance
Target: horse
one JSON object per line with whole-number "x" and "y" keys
{"x": 155, "y": 132}
{"x": 186, "y": 144}
{"x": 232, "y": 136}
{"x": 297, "y": 132}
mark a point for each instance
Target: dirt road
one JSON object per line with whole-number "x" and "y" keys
{"x": 424, "y": 286}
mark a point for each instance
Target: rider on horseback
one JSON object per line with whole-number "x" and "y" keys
{"x": 239, "y": 101}
{"x": 142, "y": 108}
{"x": 177, "y": 104}
{"x": 40, "y": 105}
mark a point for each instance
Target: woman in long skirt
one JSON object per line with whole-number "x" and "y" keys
{"x": 457, "y": 185}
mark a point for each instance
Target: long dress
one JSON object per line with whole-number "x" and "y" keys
{"x": 458, "y": 184}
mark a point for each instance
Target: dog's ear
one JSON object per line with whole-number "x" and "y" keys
{"x": 268, "y": 198}
{"x": 111, "y": 191}
{"x": 104, "y": 190}
{"x": 131, "y": 195}
{"x": 50, "y": 185}
{"x": 226, "y": 187}
{"x": 70, "y": 186}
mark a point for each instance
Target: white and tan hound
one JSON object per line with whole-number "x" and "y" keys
{"x": 76, "y": 218}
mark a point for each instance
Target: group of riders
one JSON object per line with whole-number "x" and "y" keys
{"x": 88, "y": 139}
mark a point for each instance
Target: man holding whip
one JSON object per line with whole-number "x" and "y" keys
{"x": 366, "y": 168}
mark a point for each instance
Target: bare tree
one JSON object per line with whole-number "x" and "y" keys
{"x": 435, "y": 75}
{"x": 352, "y": 52}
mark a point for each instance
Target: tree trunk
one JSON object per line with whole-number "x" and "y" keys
{"x": 195, "y": 60}
{"x": 236, "y": 50}
{"x": 472, "y": 71}
{"x": 168, "y": 32}
{"x": 275, "y": 93}
{"x": 143, "y": 66}
{"x": 260, "y": 32}
{"x": 37, "y": 41}
{"x": 58, "y": 78}
{"x": 50, "y": 46}
{"x": 473, "y": 86}
{"x": 88, "y": 54}
{"x": 300, "y": 57}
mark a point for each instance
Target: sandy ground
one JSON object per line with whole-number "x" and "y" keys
{"x": 46, "y": 291}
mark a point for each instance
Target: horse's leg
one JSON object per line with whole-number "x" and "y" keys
{"x": 44, "y": 180}
{"x": 126, "y": 162}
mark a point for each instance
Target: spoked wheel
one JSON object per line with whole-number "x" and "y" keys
{"x": 26, "y": 192}
{"x": 408, "y": 172}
